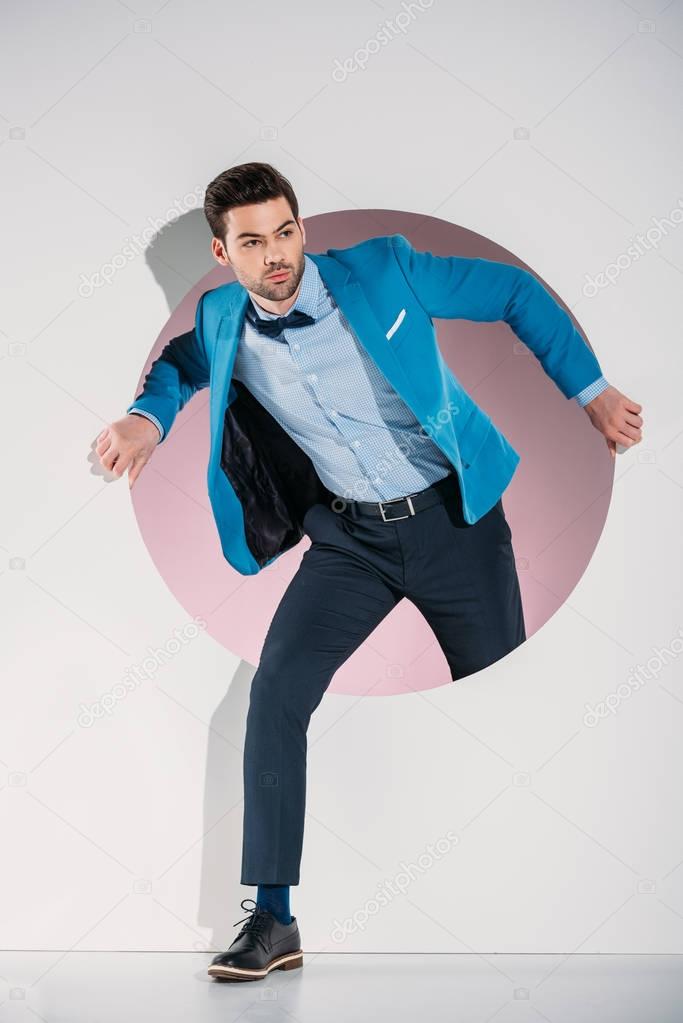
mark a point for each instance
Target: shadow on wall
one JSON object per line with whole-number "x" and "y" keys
{"x": 179, "y": 256}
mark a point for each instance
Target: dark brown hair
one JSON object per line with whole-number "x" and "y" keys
{"x": 243, "y": 185}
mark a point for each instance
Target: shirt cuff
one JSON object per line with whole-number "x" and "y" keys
{"x": 148, "y": 415}
{"x": 592, "y": 391}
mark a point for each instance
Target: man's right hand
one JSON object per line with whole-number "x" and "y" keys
{"x": 127, "y": 444}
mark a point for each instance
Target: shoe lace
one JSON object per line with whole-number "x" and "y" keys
{"x": 256, "y": 920}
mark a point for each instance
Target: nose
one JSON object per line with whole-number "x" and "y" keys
{"x": 274, "y": 256}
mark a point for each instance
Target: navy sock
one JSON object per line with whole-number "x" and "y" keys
{"x": 275, "y": 897}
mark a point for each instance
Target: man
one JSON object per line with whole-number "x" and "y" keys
{"x": 334, "y": 414}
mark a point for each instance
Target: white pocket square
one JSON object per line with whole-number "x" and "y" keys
{"x": 396, "y": 324}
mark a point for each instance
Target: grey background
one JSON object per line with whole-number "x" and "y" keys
{"x": 554, "y": 129}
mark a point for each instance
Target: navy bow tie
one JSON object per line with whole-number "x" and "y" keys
{"x": 273, "y": 327}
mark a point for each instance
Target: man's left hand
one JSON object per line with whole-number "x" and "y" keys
{"x": 616, "y": 417}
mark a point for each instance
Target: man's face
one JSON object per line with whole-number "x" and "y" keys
{"x": 260, "y": 241}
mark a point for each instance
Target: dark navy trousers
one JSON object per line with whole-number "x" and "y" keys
{"x": 461, "y": 577}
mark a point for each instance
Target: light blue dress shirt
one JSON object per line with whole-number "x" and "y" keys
{"x": 327, "y": 393}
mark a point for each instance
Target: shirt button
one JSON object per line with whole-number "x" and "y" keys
{"x": 333, "y": 411}
{"x": 312, "y": 377}
{"x": 296, "y": 346}
{"x": 356, "y": 443}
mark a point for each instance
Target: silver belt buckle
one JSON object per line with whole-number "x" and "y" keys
{"x": 396, "y": 518}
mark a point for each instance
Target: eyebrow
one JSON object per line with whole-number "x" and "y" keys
{"x": 253, "y": 234}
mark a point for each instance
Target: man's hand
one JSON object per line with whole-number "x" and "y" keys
{"x": 127, "y": 444}
{"x": 616, "y": 417}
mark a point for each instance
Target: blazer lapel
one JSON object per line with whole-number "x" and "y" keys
{"x": 350, "y": 297}
{"x": 225, "y": 349}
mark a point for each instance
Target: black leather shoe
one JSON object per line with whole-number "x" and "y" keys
{"x": 262, "y": 945}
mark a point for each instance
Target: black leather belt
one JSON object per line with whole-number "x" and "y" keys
{"x": 399, "y": 507}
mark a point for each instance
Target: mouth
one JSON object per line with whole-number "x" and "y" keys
{"x": 281, "y": 275}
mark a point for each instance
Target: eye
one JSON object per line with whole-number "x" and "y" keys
{"x": 255, "y": 241}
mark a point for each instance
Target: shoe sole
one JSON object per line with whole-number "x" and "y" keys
{"x": 291, "y": 961}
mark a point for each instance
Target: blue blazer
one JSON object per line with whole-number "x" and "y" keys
{"x": 260, "y": 482}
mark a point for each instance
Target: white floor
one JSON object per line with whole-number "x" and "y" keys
{"x": 102, "y": 987}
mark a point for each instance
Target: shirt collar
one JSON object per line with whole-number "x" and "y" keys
{"x": 307, "y": 301}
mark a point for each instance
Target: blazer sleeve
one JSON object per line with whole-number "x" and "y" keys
{"x": 457, "y": 287}
{"x": 180, "y": 371}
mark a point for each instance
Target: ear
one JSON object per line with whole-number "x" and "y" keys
{"x": 219, "y": 252}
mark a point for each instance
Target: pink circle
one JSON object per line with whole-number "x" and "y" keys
{"x": 556, "y": 503}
